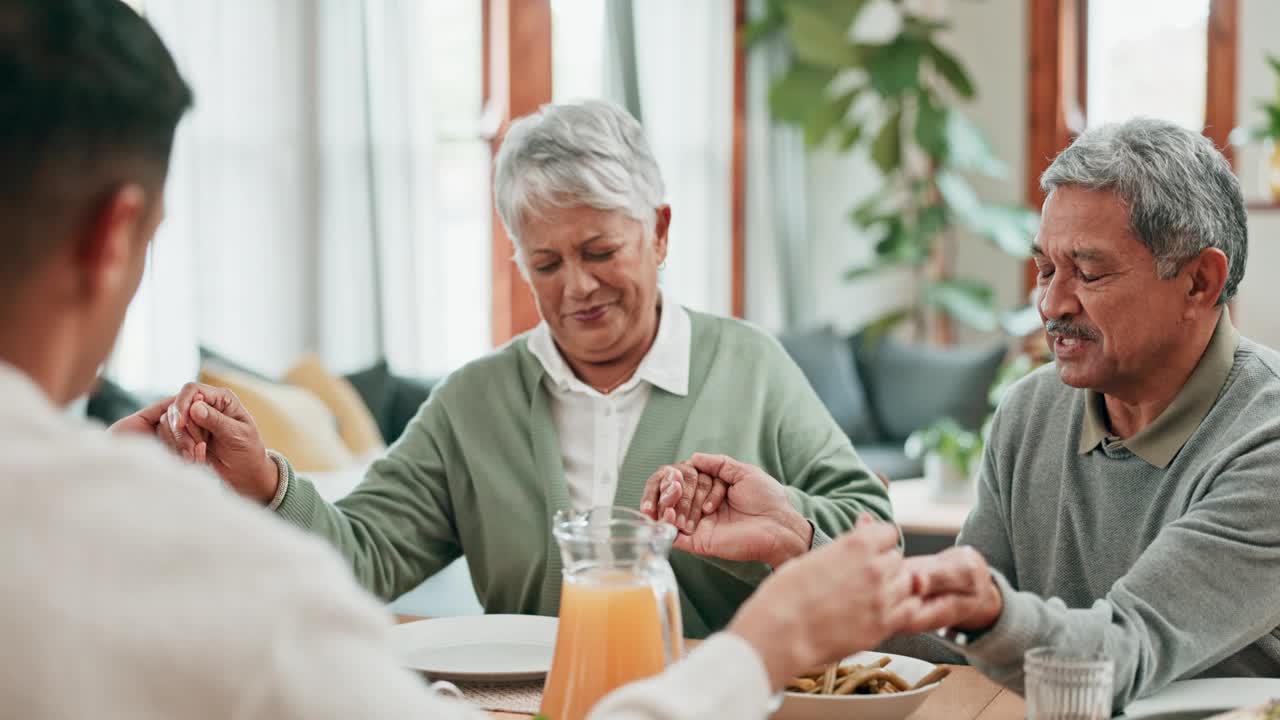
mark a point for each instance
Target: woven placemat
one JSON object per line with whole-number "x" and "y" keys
{"x": 505, "y": 697}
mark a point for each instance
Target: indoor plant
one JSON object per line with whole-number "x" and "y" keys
{"x": 1268, "y": 132}
{"x": 953, "y": 455}
{"x": 896, "y": 98}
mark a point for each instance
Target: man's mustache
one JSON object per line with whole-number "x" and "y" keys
{"x": 1064, "y": 328}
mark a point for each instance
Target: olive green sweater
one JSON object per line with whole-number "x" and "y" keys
{"x": 478, "y": 472}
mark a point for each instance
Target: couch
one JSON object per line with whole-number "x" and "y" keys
{"x": 881, "y": 391}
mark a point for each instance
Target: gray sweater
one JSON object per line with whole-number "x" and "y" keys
{"x": 1162, "y": 550}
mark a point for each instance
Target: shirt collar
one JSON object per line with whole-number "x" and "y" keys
{"x": 1159, "y": 442}
{"x": 666, "y": 365}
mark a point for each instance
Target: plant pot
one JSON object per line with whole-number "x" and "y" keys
{"x": 946, "y": 483}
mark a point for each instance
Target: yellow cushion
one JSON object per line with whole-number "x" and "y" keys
{"x": 291, "y": 420}
{"x": 355, "y": 423}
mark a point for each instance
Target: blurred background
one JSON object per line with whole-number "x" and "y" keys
{"x": 856, "y": 176}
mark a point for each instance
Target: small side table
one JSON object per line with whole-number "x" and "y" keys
{"x": 928, "y": 525}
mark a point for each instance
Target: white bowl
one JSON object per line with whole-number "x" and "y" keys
{"x": 895, "y": 706}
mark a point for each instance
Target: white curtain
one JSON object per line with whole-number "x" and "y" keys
{"x": 305, "y": 208}
{"x": 684, "y": 63}
{"x": 779, "y": 258}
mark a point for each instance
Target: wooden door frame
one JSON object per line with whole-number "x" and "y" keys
{"x": 517, "y": 81}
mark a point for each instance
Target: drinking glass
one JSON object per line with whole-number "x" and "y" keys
{"x": 1066, "y": 686}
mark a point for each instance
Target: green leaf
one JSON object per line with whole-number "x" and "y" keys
{"x": 950, "y": 69}
{"x": 795, "y": 96}
{"x": 827, "y": 117}
{"x": 875, "y": 331}
{"x": 817, "y": 39}
{"x": 851, "y": 136}
{"x": 1021, "y": 322}
{"x": 957, "y": 446}
{"x": 758, "y": 30}
{"x": 967, "y": 149}
{"x": 840, "y": 13}
{"x": 869, "y": 211}
{"x": 1009, "y": 227}
{"x": 932, "y": 220}
{"x": 1008, "y": 376}
{"x": 958, "y": 194}
{"x": 860, "y": 272}
{"x": 896, "y": 244}
{"x": 931, "y": 124}
{"x": 895, "y": 68}
{"x": 886, "y": 149}
{"x": 969, "y": 301}
{"x": 1274, "y": 62}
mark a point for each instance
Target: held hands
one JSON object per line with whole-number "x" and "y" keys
{"x": 727, "y": 509}
{"x": 956, "y": 590}
{"x": 208, "y": 425}
{"x": 848, "y": 596}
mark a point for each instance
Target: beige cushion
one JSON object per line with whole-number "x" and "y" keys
{"x": 355, "y": 423}
{"x": 291, "y": 420}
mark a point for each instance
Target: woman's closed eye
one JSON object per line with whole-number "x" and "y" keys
{"x": 599, "y": 256}
{"x": 546, "y": 267}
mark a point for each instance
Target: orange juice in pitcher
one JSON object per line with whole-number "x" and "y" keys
{"x": 619, "y": 608}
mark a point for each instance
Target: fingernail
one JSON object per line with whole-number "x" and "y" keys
{"x": 707, "y": 508}
{"x": 199, "y": 411}
{"x": 646, "y": 506}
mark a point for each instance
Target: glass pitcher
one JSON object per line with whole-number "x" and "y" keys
{"x": 619, "y": 607}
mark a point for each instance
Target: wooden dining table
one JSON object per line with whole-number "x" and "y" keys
{"x": 966, "y": 695}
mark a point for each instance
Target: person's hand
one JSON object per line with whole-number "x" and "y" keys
{"x": 698, "y": 494}
{"x": 143, "y": 422}
{"x": 955, "y": 589}
{"x": 754, "y": 522}
{"x": 848, "y": 596}
{"x": 214, "y": 428}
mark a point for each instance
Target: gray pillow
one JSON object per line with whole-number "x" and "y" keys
{"x": 911, "y": 385}
{"x": 828, "y": 363}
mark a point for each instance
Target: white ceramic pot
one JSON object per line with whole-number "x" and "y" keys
{"x": 945, "y": 481}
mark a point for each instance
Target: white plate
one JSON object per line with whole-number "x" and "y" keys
{"x": 797, "y": 706}
{"x": 480, "y": 648}
{"x": 1204, "y": 697}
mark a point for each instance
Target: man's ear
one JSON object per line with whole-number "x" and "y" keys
{"x": 108, "y": 247}
{"x": 1207, "y": 276}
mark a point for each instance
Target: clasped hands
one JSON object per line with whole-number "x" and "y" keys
{"x": 735, "y": 511}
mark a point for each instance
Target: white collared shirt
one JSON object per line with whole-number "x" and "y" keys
{"x": 595, "y": 430}
{"x": 229, "y": 612}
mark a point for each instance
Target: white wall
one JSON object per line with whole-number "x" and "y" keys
{"x": 990, "y": 38}
{"x": 1259, "y": 297}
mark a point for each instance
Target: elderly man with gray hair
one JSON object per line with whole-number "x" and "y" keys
{"x": 1130, "y": 492}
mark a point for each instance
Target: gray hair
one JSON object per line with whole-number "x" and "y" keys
{"x": 1181, "y": 194}
{"x": 590, "y": 153}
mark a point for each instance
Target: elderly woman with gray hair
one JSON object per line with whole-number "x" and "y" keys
{"x": 618, "y": 388}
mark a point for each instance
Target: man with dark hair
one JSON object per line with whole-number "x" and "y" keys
{"x": 134, "y": 586}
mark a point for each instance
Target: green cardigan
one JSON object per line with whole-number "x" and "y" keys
{"x": 478, "y": 472}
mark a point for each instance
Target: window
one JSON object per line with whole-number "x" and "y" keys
{"x": 1148, "y": 58}
{"x": 329, "y": 192}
